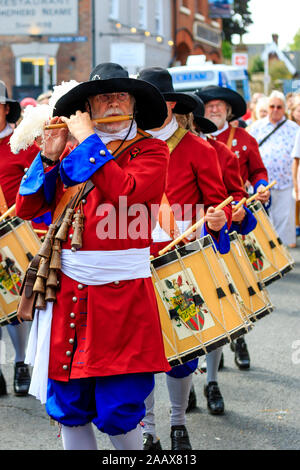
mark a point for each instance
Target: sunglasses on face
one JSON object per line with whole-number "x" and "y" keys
{"x": 273, "y": 106}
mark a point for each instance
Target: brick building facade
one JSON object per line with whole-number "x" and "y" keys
{"x": 195, "y": 33}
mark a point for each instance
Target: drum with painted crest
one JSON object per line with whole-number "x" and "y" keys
{"x": 18, "y": 245}
{"x": 269, "y": 257}
{"x": 199, "y": 311}
{"x": 251, "y": 292}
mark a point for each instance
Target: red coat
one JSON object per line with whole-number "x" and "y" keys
{"x": 117, "y": 325}
{"x": 12, "y": 168}
{"x": 246, "y": 149}
{"x": 230, "y": 170}
{"x": 195, "y": 177}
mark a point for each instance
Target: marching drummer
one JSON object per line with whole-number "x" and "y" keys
{"x": 99, "y": 370}
{"x": 222, "y": 106}
{"x": 191, "y": 181}
{"x": 12, "y": 169}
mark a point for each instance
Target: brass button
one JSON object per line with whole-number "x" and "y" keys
{"x": 72, "y": 315}
{"x": 71, "y": 341}
{"x": 92, "y": 160}
{"x": 65, "y": 367}
{"x": 80, "y": 286}
{"x": 102, "y": 152}
{"x": 117, "y": 283}
{"x": 68, "y": 353}
{"x": 74, "y": 299}
{"x": 72, "y": 325}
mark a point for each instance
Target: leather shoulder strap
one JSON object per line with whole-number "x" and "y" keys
{"x": 230, "y": 137}
{"x": 176, "y": 138}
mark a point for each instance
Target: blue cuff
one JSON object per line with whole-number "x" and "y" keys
{"x": 36, "y": 178}
{"x": 267, "y": 205}
{"x": 223, "y": 243}
{"x": 263, "y": 182}
{"x": 44, "y": 219}
{"x": 247, "y": 225}
{"x": 84, "y": 161}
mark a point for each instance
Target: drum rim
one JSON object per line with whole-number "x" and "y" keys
{"x": 8, "y": 225}
{"x": 171, "y": 256}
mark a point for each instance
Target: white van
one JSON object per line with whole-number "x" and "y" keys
{"x": 195, "y": 77}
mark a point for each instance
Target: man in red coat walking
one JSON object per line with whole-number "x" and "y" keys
{"x": 100, "y": 356}
{"x": 222, "y": 106}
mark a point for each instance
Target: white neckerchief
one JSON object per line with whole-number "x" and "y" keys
{"x": 165, "y": 132}
{"x": 6, "y": 131}
{"x": 219, "y": 131}
{"x": 106, "y": 137}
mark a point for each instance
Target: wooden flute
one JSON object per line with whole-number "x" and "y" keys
{"x": 126, "y": 117}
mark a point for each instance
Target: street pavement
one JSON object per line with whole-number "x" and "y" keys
{"x": 262, "y": 406}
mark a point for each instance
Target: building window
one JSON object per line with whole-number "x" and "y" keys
{"x": 114, "y": 9}
{"x": 142, "y": 14}
{"x": 36, "y": 71}
{"x": 158, "y": 17}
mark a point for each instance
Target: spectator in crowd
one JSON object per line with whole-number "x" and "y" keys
{"x": 44, "y": 98}
{"x": 275, "y": 135}
{"x": 296, "y": 179}
{"x": 295, "y": 110}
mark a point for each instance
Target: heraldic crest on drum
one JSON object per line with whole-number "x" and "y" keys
{"x": 10, "y": 276}
{"x": 255, "y": 253}
{"x": 185, "y": 304}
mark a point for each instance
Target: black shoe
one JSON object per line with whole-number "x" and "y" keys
{"x": 241, "y": 354}
{"x": 180, "y": 438}
{"x": 192, "y": 405}
{"x": 3, "y": 390}
{"x": 148, "y": 443}
{"x": 21, "y": 379}
{"x": 215, "y": 402}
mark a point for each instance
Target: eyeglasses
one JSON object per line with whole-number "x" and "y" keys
{"x": 273, "y": 106}
{"x": 106, "y": 97}
{"x": 218, "y": 105}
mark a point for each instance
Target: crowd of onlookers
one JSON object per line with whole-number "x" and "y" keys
{"x": 281, "y": 153}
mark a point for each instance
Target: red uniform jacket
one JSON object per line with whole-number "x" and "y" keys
{"x": 246, "y": 149}
{"x": 194, "y": 177}
{"x": 116, "y": 325}
{"x": 230, "y": 170}
{"x": 12, "y": 168}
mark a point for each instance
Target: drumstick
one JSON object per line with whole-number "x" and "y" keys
{"x": 126, "y": 117}
{"x": 239, "y": 204}
{"x": 8, "y": 212}
{"x": 40, "y": 231}
{"x": 252, "y": 198}
{"x": 193, "y": 228}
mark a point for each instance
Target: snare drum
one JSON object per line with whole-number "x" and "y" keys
{"x": 269, "y": 257}
{"x": 198, "y": 310}
{"x": 250, "y": 290}
{"x": 18, "y": 245}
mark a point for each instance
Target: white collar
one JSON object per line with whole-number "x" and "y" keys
{"x": 165, "y": 132}
{"x": 6, "y": 131}
{"x": 219, "y": 131}
{"x": 106, "y": 137}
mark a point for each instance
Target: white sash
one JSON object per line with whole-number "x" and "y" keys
{"x": 89, "y": 268}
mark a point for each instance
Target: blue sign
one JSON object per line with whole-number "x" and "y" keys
{"x": 67, "y": 39}
{"x": 220, "y": 8}
{"x": 197, "y": 76}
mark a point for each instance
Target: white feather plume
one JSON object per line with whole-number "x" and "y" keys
{"x": 35, "y": 118}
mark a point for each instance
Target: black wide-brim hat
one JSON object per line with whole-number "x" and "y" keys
{"x": 205, "y": 124}
{"x": 14, "y": 106}
{"x": 236, "y": 101}
{"x": 162, "y": 79}
{"x": 151, "y": 110}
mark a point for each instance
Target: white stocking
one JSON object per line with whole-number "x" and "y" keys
{"x": 179, "y": 390}
{"x": 149, "y": 419}
{"x": 212, "y": 364}
{"x": 78, "y": 437}
{"x": 132, "y": 440}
